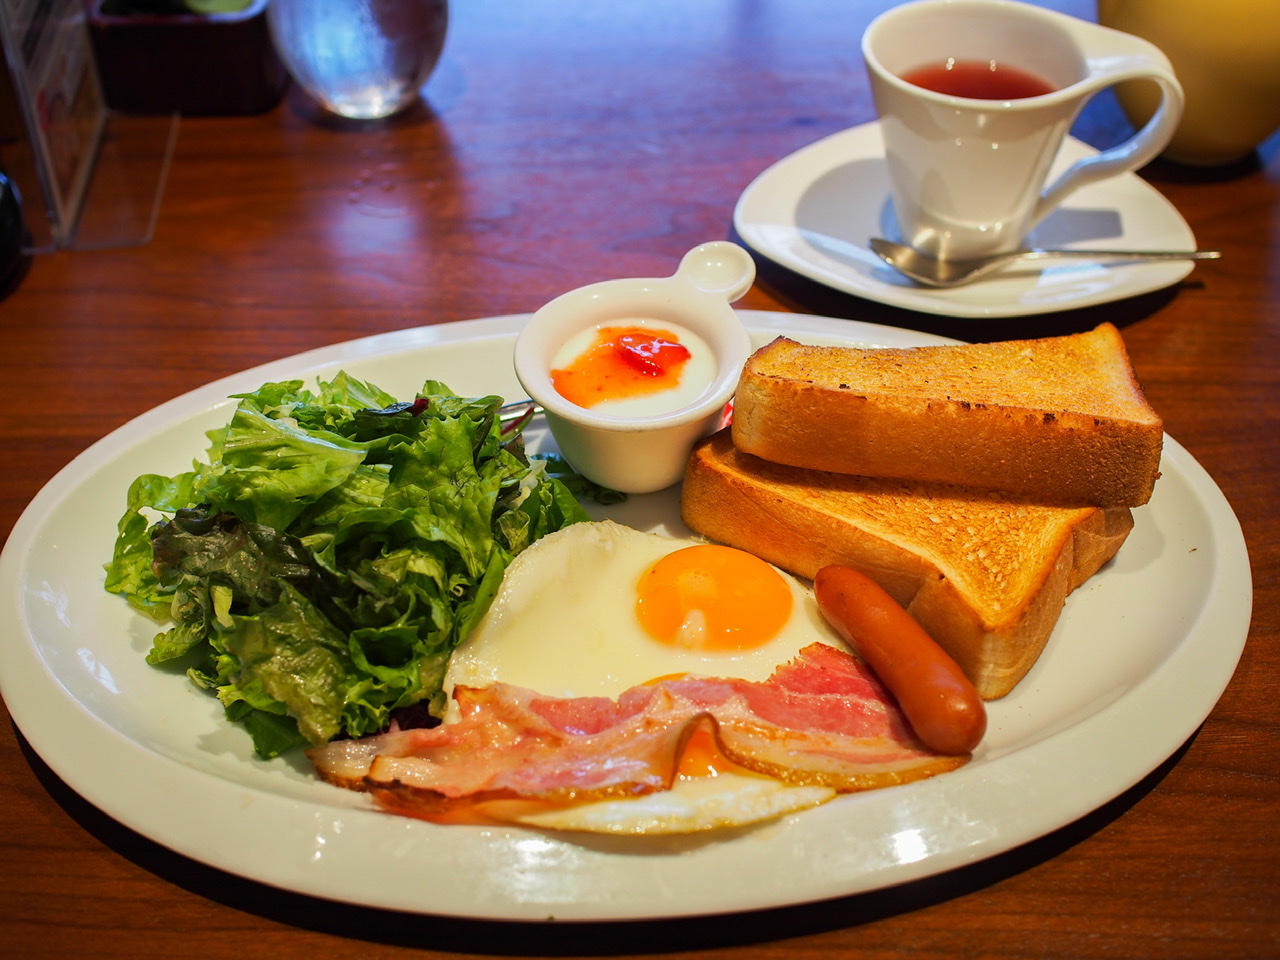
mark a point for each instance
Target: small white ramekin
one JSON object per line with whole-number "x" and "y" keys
{"x": 643, "y": 454}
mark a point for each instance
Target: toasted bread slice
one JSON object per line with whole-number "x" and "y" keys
{"x": 1061, "y": 420}
{"x": 985, "y": 576}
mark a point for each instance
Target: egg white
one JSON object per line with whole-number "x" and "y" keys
{"x": 690, "y": 806}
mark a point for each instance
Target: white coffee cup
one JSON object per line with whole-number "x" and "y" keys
{"x": 968, "y": 173}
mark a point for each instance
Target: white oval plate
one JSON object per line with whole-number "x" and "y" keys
{"x": 1139, "y": 658}
{"x": 814, "y": 211}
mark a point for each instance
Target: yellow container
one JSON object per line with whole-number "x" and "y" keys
{"x": 1226, "y": 54}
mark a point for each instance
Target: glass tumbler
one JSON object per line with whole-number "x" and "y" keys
{"x": 362, "y": 59}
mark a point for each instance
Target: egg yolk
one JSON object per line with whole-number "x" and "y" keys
{"x": 622, "y": 362}
{"x": 709, "y": 597}
{"x": 702, "y": 757}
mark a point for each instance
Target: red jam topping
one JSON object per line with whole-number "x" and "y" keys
{"x": 621, "y": 363}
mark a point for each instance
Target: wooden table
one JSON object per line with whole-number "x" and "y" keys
{"x": 560, "y": 144}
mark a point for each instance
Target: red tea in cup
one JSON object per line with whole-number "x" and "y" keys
{"x": 969, "y": 167}
{"x": 979, "y": 80}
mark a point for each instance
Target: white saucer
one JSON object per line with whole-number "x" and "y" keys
{"x": 814, "y": 211}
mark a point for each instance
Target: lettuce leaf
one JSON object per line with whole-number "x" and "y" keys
{"x": 318, "y": 569}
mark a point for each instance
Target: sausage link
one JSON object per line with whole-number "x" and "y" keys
{"x": 941, "y": 704}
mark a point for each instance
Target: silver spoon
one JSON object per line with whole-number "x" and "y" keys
{"x": 952, "y": 273}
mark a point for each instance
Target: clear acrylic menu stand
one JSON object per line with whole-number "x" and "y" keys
{"x": 89, "y": 178}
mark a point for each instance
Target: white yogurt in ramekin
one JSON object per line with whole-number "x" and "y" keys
{"x": 643, "y": 395}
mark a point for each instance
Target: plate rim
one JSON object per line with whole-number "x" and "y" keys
{"x": 944, "y": 303}
{"x": 84, "y": 776}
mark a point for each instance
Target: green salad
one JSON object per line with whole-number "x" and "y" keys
{"x": 319, "y": 569}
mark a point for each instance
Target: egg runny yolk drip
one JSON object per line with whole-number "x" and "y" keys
{"x": 622, "y": 362}
{"x": 702, "y": 757}
{"x": 714, "y": 598}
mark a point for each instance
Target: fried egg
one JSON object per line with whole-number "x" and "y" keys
{"x": 597, "y": 608}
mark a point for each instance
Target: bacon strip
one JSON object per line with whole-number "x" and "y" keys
{"x": 822, "y": 719}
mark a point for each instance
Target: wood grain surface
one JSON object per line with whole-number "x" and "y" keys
{"x": 559, "y": 143}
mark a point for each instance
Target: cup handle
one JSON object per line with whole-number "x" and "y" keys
{"x": 719, "y": 267}
{"x": 1139, "y": 149}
